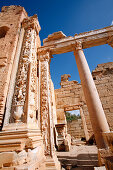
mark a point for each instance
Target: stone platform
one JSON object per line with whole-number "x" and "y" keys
{"x": 82, "y": 157}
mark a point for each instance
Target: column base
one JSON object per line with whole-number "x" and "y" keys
{"x": 105, "y": 156}
{"x": 52, "y": 162}
{"x": 108, "y": 137}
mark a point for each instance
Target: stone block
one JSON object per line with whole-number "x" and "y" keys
{"x": 8, "y": 168}
{"x": 7, "y": 158}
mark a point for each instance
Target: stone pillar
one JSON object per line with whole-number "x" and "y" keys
{"x": 20, "y": 117}
{"x": 24, "y": 102}
{"x": 45, "y": 105}
{"x": 96, "y": 112}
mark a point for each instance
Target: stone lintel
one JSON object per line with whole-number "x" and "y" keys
{"x": 88, "y": 39}
{"x": 60, "y": 125}
{"x": 73, "y": 107}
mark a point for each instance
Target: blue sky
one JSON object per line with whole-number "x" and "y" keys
{"x": 70, "y": 16}
{"x": 76, "y": 112}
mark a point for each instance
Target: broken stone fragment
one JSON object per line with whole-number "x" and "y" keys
{"x": 54, "y": 36}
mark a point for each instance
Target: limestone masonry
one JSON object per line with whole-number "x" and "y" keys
{"x": 33, "y": 123}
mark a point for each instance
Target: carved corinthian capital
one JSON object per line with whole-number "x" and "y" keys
{"x": 110, "y": 41}
{"x": 78, "y": 45}
{"x": 31, "y": 22}
{"x": 44, "y": 55}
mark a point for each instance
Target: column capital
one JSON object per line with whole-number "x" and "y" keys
{"x": 44, "y": 55}
{"x": 110, "y": 41}
{"x": 78, "y": 45}
{"x": 31, "y": 22}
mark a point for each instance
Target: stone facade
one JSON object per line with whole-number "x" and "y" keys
{"x": 103, "y": 76}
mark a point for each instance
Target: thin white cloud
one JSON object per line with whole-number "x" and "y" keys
{"x": 112, "y": 23}
{"x": 76, "y": 112}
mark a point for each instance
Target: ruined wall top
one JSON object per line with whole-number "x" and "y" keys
{"x": 103, "y": 69}
{"x": 65, "y": 77}
{"x": 18, "y": 9}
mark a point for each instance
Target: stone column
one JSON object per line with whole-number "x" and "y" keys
{"x": 96, "y": 112}
{"x": 45, "y": 108}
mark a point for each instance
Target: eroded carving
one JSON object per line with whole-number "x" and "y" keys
{"x": 44, "y": 92}
{"x": 31, "y": 22}
{"x": 65, "y": 77}
{"x": 24, "y": 99}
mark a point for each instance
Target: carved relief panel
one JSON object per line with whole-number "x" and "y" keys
{"x": 24, "y": 102}
{"x": 44, "y": 99}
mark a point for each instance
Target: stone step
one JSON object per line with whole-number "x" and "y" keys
{"x": 87, "y": 162}
{"x": 100, "y": 168}
{"x": 50, "y": 164}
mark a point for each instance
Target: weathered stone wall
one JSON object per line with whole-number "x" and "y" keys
{"x": 10, "y": 26}
{"x": 103, "y": 77}
{"x": 75, "y": 128}
{"x": 70, "y": 97}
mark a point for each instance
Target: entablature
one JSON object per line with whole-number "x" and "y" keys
{"x": 88, "y": 39}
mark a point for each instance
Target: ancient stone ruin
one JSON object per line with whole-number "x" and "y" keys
{"x": 32, "y": 114}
